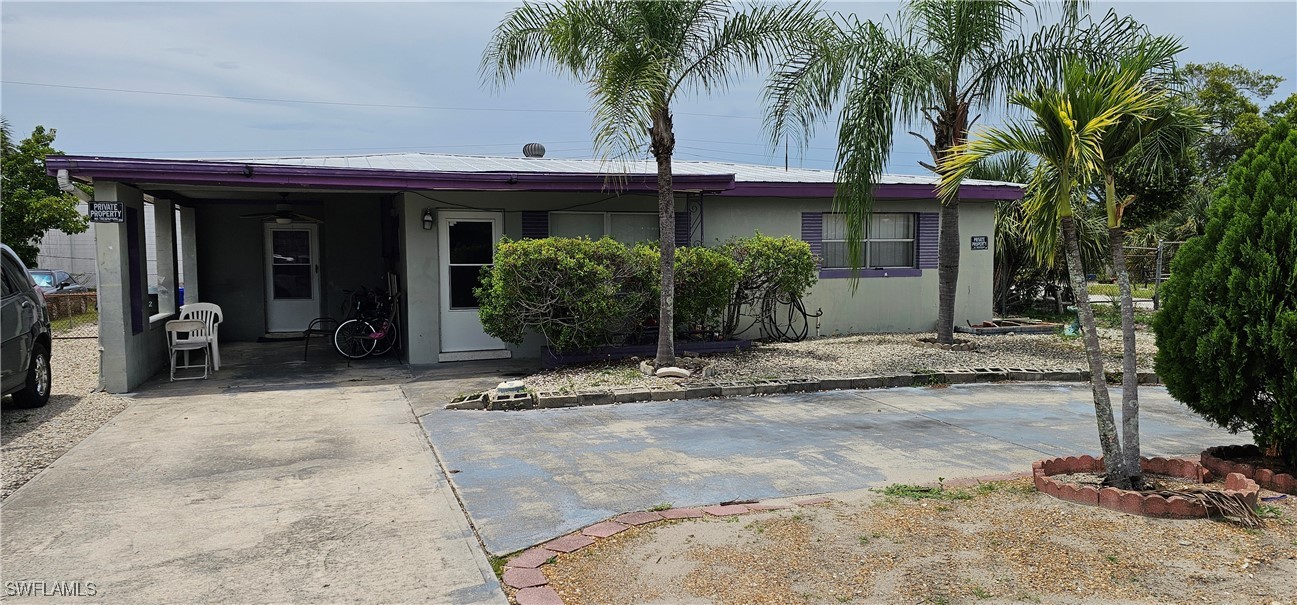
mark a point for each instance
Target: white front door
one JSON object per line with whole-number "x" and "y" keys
{"x": 292, "y": 276}
{"x": 467, "y": 244}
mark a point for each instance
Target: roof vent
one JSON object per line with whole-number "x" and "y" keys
{"x": 533, "y": 150}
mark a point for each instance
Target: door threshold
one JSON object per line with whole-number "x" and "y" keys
{"x": 474, "y": 355}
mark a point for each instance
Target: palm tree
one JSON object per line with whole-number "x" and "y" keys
{"x": 1064, "y": 131}
{"x": 1153, "y": 140}
{"x": 943, "y": 61}
{"x": 637, "y": 58}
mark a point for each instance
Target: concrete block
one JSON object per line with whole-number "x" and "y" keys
{"x": 631, "y": 395}
{"x": 596, "y": 398}
{"x": 700, "y": 391}
{"x": 833, "y": 384}
{"x": 554, "y": 399}
{"x": 736, "y": 389}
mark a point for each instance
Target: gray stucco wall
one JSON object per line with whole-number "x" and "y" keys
{"x": 129, "y": 357}
{"x": 882, "y": 304}
{"x": 231, "y": 256}
{"x": 893, "y": 304}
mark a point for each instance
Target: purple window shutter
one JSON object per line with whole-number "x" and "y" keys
{"x": 813, "y": 232}
{"x": 535, "y": 225}
{"x": 682, "y": 228}
{"x": 929, "y": 227}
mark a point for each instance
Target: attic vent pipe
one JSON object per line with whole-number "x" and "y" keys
{"x": 533, "y": 150}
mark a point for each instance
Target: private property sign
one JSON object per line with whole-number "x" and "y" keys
{"x": 107, "y": 212}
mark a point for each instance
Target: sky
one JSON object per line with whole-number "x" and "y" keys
{"x": 403, "y": 77}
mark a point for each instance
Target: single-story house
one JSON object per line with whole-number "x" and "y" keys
{"x": 277, "y": 242}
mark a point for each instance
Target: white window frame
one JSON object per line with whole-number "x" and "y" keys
{"x": 913, "y": 239}
{"x": 607, "y": 219}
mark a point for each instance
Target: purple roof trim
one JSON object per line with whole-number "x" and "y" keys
{"x": 886, "y": 191}
{"x": 201, "y": 172}
{"x": 241, "y": 174}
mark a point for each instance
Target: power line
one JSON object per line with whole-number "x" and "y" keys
{"x": 291, "y": 149}
{"x": 330, "y": 103}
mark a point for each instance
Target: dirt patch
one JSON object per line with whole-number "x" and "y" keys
{"x": 1152, "y": 481}
{"x": 999, "y": 542}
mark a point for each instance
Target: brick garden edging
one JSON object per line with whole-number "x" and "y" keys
{"x": 1267, "y": 478}
{"x": 738, "y": 388}
{"x": 1132, "y": 502}
{"x": 523, "y": 571}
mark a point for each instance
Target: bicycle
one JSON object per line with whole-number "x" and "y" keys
{"x": 357, "y": 338}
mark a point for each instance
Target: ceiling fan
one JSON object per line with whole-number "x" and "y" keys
{"x": 283, "y": 214}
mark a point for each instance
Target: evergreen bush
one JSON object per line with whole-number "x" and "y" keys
{"x": 1227, "y": 330}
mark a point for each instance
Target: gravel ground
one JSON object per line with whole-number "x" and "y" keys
{"x": 31, "y": 440}
{"x": 860, "y": 355}
{"x": 1007, "y": 543}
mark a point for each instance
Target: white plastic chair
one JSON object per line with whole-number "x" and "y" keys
{"x": 211, "y": 316}
{"x": 176, "y": 344}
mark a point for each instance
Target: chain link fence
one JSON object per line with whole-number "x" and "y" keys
{"x": 74, "y": 315}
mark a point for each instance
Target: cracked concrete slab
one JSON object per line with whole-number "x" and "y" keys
{"x": 529, "y": 476}
{"x": 253, "y": 488}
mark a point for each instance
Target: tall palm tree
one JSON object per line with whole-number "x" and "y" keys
{"x": 941, "y": 63}
{"x": 1153, "y": 139}
{"x": 638, "y": 58}
{"x": 1064, "y": 131}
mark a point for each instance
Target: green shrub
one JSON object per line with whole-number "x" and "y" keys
{"x": 576, "y": 293}
{"x": 784, "y": 264}
{"x": 580, "y": 294}
{"x": 705, "y": 281}
{"x": 780, "y": 267}
{"x": 1227, "y": 331}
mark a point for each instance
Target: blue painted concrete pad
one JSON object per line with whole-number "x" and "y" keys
{"x": 526, "y": 477}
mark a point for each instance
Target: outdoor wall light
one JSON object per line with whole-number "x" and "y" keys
{"x": 427, "y": 219}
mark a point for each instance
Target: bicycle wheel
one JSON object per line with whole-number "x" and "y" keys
{"x": 352, "y": 338}
{"x": 390, "y": 335}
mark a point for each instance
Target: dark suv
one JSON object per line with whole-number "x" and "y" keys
{"x": 25, "y": 328}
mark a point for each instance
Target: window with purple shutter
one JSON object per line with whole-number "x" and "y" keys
{"x": 885, "y": 246}
{"x": 929, "y": 227}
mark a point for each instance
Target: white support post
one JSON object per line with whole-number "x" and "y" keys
{"x": 189, "y": 253}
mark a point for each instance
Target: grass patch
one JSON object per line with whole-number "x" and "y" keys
{"x": 497, "y": 565}
{"x": 660, "y": 507}
{"x": 919, "y": 492}
{"x": 1112, "y": 291}
{"x": 73, "y": 321}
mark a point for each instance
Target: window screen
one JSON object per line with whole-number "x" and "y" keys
{"x": 631, "y": 229}
{"x": 576, "y": 224}
{"x": 888, "y": 243}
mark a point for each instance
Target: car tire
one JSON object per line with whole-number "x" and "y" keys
{"x": 36, "y": 391}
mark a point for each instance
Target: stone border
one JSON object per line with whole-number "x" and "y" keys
{"x": 960, "y": 345}
{"x": 1267, "y": 478}
{"x": 523, "y": 572}
{"x": 1132, "y": 502}
{"x": 740, "y": 388}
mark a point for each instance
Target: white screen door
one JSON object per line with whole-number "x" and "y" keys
{"x": 292, "y": 276}
{"x": 467, "y": 244}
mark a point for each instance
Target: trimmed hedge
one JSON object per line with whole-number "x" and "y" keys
{"x": 581, "y": 294}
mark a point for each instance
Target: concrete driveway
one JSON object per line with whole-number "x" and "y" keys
{"x": 526, "y": 477}
{"x": 275, "y": 482}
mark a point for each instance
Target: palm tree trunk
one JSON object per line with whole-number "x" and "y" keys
{"x": 1129, "y": 371}
{"x": 947, "y": 271}
{"x": 1108, "y": 442}
{"x": 663, "y": 145}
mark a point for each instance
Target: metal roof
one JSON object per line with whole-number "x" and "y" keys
{"x": 440, "y": 162}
